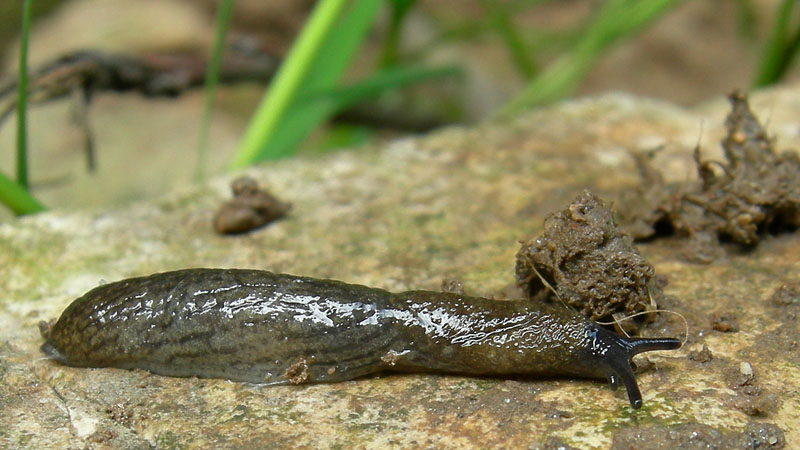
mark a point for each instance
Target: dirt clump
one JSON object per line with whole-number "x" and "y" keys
{"x": 756, "y": 191}
{"x": 585, "y": 261}
{"x": 788, "y": 294}
{"x": 453, "y": 286}
{"x": 725, "y": 322}
{"x": 297, "y": 373}
{"x": 701, "y": 356}
{"x": 250, "y": 208}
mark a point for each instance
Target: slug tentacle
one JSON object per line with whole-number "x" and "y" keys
{"x": 613, "y": 354}
{"x": 641, "y": 345}
{"x": 261, "y": 327}
{"x": 625, "y": 372}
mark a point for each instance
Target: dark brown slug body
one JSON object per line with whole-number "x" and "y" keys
{"x": 260, "y": 327}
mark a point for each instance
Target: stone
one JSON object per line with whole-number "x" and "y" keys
{"x": 402, "y": 216}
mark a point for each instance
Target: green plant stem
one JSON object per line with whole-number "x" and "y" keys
{"x": 779, "y": 49}
{"x": 17, "y": 198}
{"x": 222, "y": 20}
{"x": 520, "y": 55}
{"x": 22, "y": 97}
{"x": 288, "y": 80}
{"x": 615, "y": 20}
{"x": 792, "y": 45}
{"x": 389, "y": 52}
{"x": 316, "y": 105}
{"x": 746, "y": 20}
{"x": 339, "y": 98}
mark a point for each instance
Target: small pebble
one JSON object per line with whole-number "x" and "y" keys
{"x": 746, "y": 369}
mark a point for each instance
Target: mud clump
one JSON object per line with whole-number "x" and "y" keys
{"x": 297, "y": 373}
{"x": 588, "y": 262}
{"x": 453, "y": 286}
{"x": 754, "y": 192}
{"x": 786, "y": 295}
{"x": 701, "y": 356}
{"x": 250, "y": 208}
{"x": 724, "y": 322}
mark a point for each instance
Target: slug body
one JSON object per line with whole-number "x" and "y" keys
{"x": 261, "y": 327}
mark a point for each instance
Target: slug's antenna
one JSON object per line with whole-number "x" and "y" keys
{"x": 624, "y": 369}
{"x": 640, "y": 345}
{"x": 624, "y": 372}
{"x": 616, "y": 351}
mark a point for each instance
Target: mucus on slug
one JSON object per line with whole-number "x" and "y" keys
{"x": 261, "y": 327}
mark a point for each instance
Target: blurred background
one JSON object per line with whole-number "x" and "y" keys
{"x": 93, "y": 140}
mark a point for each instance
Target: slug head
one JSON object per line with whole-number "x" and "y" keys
{"x": 609, "y": 355}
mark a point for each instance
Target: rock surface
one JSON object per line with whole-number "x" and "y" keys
{"x": 450, "y": 205}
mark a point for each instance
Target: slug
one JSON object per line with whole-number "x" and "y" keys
{"x": 262, "y": 327}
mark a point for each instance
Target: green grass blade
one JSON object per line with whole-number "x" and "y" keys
{"x": 389, "y": 51}
{"x": 615, "y": 20}
{"x": 520, "y": 54}
{"x": 287, "y": 81}
{"x": 22, "y": 97}
{"x": 343, "y": 135}
{"x": 776, "y": 50}
{"x": 315, "y": 107}
{"x": 222, "y": 20}
{"x": 746, "y": 20}
{"x": 316, "y": 60}
{"x": 340, "y": 98}
{"x": 338, "y": 49}
{"x": 790, "y": 52}
{"x": 16, "y": 198}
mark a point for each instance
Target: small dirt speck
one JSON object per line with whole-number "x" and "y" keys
{"x": 702, "y": 356}
{"x": 297, "y": 373}
{"x": 786, "y": 295}
{"x": 761, "y": 404}
{"x": 120, "y": 414}
{"x": 453, "y": 286}
{"x": 724, "y": 322}
{"x": 390, "y": 358}
{"x": 250, "y": 208}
